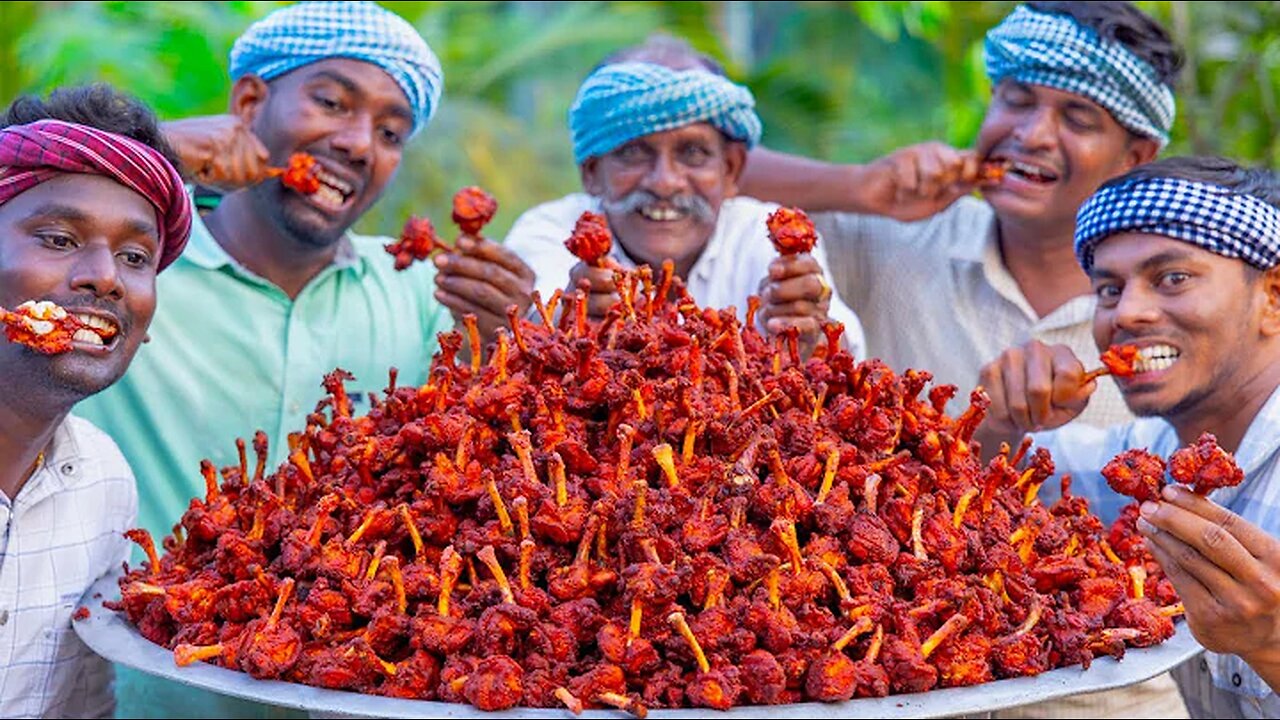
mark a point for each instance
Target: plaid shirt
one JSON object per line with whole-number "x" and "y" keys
{"x": 1217, "y": 685}
{"x": 61, "y": 533}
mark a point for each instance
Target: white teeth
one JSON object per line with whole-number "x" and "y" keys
{"x": 661, "y": 214}
{"x": 94, "y": 321}
{"x": 342, "y": 187}
{"x": 1153, "y": 358}
{"x": 1029, "y": 170}
{"x": 329, "y": 196}
{"x": 87, "y": 336}
{"x": 39, "y": 327}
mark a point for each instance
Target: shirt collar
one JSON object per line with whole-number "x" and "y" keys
{"x": 58, "y": 471}
{"x": 204, "y": 251}
{"x": 1262, "y": 439}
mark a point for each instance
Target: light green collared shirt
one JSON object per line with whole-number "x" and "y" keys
{"x": 231, "y": 353}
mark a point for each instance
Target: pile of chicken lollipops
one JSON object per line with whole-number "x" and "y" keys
{"x": 663, "y": 509}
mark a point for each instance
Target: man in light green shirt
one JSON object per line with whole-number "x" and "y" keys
{"x": 274, "y": 291}
{"x": 231, "y": 353}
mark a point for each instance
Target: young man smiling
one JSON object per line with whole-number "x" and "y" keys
{"x": 1081, "y": 92}
{"x": 1184, "y": 256}
{"x": 661, "y": 139}
{"x": 91, "y": 210}
{"x": 274, "y": 291}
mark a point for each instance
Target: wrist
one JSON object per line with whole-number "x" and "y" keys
{"x": 852, "y": 183}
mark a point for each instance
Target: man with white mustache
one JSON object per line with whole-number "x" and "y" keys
{"x": 661, "y": 138}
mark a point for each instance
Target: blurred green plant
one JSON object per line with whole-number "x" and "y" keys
{"x": 844, "y": 81}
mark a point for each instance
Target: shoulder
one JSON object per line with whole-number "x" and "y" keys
{"x": 549, "y": 222}
{"x": 962, "y": 220}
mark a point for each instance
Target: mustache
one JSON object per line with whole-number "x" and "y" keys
{"x": 693, "y": 205}
{"x": 89, "y": 301}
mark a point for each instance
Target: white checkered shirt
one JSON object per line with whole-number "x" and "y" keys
{"x": 61, "y": 533}
{"x": 935, "y": 295}
{"x": 1220, "y": 686}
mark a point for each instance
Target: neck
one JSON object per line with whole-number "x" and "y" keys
{"x": 26, "y": 429}
{"x": 1229, "y": 410}
{"x": 261, "y": 246}
{"x": 1042, "y": 261}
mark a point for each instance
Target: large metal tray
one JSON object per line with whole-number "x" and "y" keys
{"x": 109, "y": 635}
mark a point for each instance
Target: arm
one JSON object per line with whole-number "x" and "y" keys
{"x": 1227, "y": 572}
{"x": 912, "y": 183}
{"x": 218, "y": 151}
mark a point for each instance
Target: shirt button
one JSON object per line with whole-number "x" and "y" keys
{"x": 1236, "y": 679}
{"x": 68, "y": 469}
{"x": 4, "y": 617}
{"x": 1204, "y": 665}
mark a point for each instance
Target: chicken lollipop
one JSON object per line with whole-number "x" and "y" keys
{"x": 792, "y": 231}
{"x": 1205, "y": 466}
{"x": 417, "y": 241}
{"x": 473, "y": 208}
{"x": 591, "y": 239}
{"x": 1136, "y": 473}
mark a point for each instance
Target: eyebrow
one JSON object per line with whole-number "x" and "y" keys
{"x": 67, "y": 213}
{"x": 399, "y": 110}
{"x": 1164, "y": 258}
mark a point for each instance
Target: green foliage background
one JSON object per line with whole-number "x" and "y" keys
{"x": 844, "y": 81}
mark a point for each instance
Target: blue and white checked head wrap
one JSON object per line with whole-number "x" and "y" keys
{"x": 623, "y": 101}
{"x": 1212, "y": 217}
{"x": 1054, "y": 50}
{"x": 308, "y": 32}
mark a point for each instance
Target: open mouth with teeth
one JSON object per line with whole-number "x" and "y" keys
{"x": 1155, "y": 358}
{"x": 1030, "y": 173}
{"x": 333, "y": 192}
{"x": 95, "y": 330}
{"x": 657, "y": 213}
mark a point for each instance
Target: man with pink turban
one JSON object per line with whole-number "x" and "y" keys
{"x": 91, "y": 209}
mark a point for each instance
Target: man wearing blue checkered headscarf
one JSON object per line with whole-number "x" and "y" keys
{"x": 1185, "y": 259}
{"x": 945, "y": 281}
{"x": 309, "y": 31}
{"x": 274, "y": 290}
{"x": 660, "y": 136}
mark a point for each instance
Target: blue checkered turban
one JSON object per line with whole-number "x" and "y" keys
{"x": 623, "y": 101}
{"x": 307, "y": 32}
{"x": 1228, "y": 223}
{"x": 1055, "y": 51}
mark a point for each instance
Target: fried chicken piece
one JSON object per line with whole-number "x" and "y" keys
{"x": 45, "y": 327}
{"x": 1120, "y": 360}
{"x": 1136, "y": 473}
{"x": 591, "y": 239}
{"x": 1205, "y": 466}
{"x": 495, "y": 684}
{"x": 300, "y": 175}
{"x": 991, "y": 172}
{"x": 417, "y": 241}
{"x": 791, "y": 231}
{"x": 473, "y": 208}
